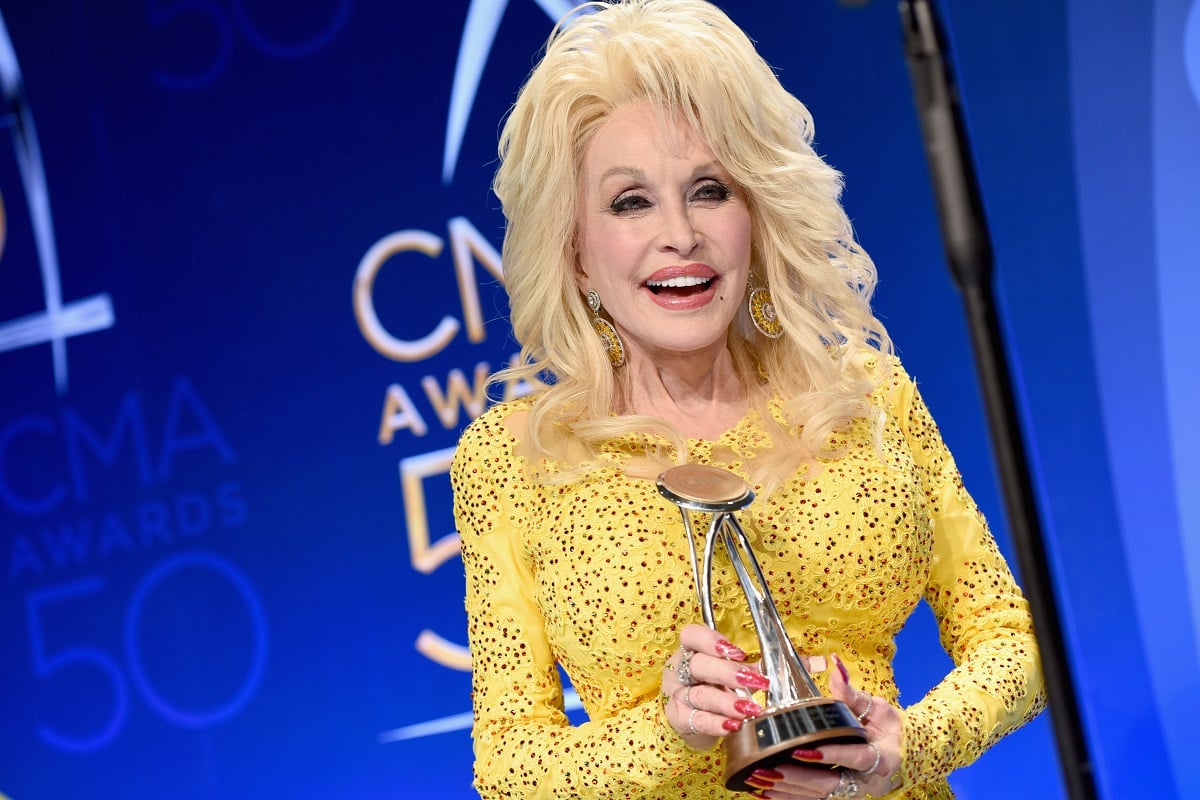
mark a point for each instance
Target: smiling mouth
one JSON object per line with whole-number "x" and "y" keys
{"x": 682, "y": 286}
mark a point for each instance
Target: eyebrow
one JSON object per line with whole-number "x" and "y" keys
{"x": 639, "y": 175}
{"x": 631, "y": 172}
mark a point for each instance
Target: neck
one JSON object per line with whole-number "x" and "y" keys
{"x": 703, "y": 396}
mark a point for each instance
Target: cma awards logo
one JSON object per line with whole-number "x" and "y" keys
{"x": 59, "y": 321}
{"x": 479, "y": 34}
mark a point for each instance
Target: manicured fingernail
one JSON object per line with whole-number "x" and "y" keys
{"x": 749, "y": 708}
{"x": 751, "y": 679}
{"x": 842, "y": 668}
{"x": 729, "y": 650}
{"x": 732, "y": 725}
{"x": 759, "y": 783}
{"x": 807, "y": 755}
{"x": 768, "y": 774}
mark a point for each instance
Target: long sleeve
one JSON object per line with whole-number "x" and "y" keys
{"x": 592, "y": 579}
{"x": 983, "y": 619}
{"x": 524, "y": 744}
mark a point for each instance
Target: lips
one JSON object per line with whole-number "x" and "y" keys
{"x": 681, "y": 287}
{"x": 681, "y": 283}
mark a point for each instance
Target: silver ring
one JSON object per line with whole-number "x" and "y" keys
{"x": 847, "y": 787}
{"x": 692, "y": 722}
{"x": 687, "y": 696}
{"x": 683, "y": 672}
{"x": 874, "y": 766}
{"x": 866, "y": 711}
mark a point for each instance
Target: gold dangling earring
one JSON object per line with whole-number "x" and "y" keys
{"x": 605, "y": 330}
{"x": 762, "y": 311}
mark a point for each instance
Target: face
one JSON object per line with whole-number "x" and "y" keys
{"x": 664, "y": 236}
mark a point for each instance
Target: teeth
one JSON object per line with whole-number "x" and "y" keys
{"x": 681, "y": 282}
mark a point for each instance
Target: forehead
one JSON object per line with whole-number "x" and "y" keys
{"x": 641, "y": 136}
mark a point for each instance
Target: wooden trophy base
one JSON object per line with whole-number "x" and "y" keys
{"x": 769, "y": 739}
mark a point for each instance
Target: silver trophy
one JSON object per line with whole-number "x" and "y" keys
{"x": 796, "y": 714}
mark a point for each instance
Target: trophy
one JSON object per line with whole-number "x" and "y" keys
{"x": 795, "y": 713}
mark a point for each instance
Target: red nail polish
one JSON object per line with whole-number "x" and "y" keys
{"x": 732, "y": 725}
{"x": 751, "y": 679}
{"x": 759, "y": 783}
{"x": 729, "y": 650}
{"x": 749, "y": 708}
{"x": 807, "y": 755}
{"x": 842, "y": 669}
{"x": 768, "y": 774}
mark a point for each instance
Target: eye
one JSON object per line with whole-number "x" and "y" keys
{"x": 712, "y": 191}
{"x": 629, "y": 203}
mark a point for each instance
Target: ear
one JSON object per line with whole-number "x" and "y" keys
{"x": 581, "y": 279}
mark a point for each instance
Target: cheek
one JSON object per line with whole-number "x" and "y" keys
{"x": 610, "y": 251}
{"x": 737, "y": 235}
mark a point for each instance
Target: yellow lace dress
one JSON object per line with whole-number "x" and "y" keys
{"x": 594, "y": 577}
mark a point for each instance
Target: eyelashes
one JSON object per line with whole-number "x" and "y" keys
{"x": 707, "y": 192}
{"x": 713, "y": 190}
{"x": 629, "y": 203}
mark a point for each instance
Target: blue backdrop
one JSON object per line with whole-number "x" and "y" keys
{"x": 250, "y": 288}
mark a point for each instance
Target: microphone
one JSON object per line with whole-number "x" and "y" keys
{"x": 969, "y": 252}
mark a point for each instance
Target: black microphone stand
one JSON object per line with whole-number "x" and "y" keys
{"x": 969, "y": 253}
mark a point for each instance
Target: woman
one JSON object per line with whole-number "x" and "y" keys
{"x": 686, "y": 288}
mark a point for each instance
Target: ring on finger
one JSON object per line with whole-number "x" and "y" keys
{"x": 875, "y": 765}
{"x": 692, "y": 722}
{"x": 847, "y": 787}
{"x": 866, "y": 711}
{"x": 687, "y": 696}
{"x": 683, "y": 672}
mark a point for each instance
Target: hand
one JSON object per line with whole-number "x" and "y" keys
{"x": 702, "y": 705}
{"x": 867, "y": 769}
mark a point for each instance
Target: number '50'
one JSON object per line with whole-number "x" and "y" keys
{"x": 46, "y": 664}
{"x": 207, "y": 20}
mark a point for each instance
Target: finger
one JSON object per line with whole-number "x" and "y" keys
{"x": 847, "y": 784}
{"x": 839, "y": 678}
{"x": 808, "y": 782}
{"x": 706, "y": 669}
{"x": 876, "y": 761}
{"x": 860, "y": 703}
{"x": 858, "y": 757}
{"x": 705, "y": 656}
{"x": 719, "y": 702}
{"x": 705, "y": 640}
{"x": 697, "y": 725}
{"x": 815, "y": 664}
{"x": 764, "y": 779}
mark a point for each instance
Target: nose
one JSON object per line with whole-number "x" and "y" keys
{"x": 679, "y": 232}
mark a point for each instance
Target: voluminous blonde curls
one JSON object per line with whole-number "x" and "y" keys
{"x": 691, "y": 61}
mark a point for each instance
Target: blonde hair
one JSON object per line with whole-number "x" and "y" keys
{"x": 691, "y": 61}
